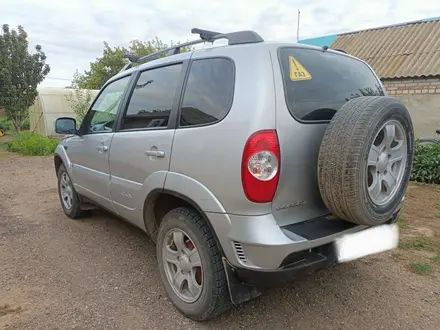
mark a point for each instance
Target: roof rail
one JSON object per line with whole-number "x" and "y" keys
{"x": 340, "y": 50}
{"x": 234, "y": 38}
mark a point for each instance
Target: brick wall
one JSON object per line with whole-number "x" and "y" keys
{"x": 422, "y": 98}
{"x": 412, "y": 86}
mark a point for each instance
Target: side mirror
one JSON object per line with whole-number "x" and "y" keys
{"x": 65, "y": 125}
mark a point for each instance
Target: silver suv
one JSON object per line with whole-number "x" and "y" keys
{"x": 247, "y": 164}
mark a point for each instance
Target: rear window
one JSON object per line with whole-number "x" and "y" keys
{"x": 318, "y": 83}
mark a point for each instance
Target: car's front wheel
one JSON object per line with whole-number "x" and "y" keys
{"x": 69, "y": 198}
{"x": 191, "y": 266}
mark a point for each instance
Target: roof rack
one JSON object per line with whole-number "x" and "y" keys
{"x": 340, "y": 50}
{"x": 234, "y": 38}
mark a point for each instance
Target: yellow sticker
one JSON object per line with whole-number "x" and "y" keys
{"x": 297, "y": 71}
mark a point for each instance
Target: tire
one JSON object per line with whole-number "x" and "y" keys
{"x": 344, "y": 173}
{"x": 214, "y": 296}
{"x": 75, "y": 211}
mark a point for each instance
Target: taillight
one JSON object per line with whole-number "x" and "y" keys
{"x": 260, "y": 166}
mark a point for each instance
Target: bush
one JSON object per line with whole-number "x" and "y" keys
{"x": 26, "y": 125}
{"x": 31, "y": 144}
{"x": 426, "y": 165}
{"x": 5, "y": 124}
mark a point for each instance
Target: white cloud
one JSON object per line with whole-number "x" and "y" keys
{"x": 72, "y": 32}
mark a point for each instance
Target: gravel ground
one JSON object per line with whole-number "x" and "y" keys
{"x": 101, "y": 272}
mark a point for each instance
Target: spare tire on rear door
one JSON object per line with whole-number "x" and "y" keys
{"x": 365, "y": 159}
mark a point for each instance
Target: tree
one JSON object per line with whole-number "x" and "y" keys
{"x": 20, "y": 74}
{"x": 112, "y": 61}
{"x": 79, "y": 99}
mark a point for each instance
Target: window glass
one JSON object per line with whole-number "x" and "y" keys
{"x": 152, "y": 99}
{"x": 319, "y": 83}
{"x": 208, "y": 93}
{"x": 103, "y": 112}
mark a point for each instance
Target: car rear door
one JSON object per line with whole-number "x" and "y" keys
{"x": 141, "y": 147}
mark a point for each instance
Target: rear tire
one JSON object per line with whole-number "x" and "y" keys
{"x": 213, "y": 297}
{"x": 350, "y": 186}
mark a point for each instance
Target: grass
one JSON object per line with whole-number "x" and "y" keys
{"x": 31, "y": 144}
{"x": 3, "y": 146}
{"x": 402, "y": 222}
{"x": 421, "y": 269}
{"x": 420, "y": 243}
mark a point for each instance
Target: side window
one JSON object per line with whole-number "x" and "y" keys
{"x": 101, "y": 117}
{"x": 208, "y": 93}
{"x": 152, "y": 99}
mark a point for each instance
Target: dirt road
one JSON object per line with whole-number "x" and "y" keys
{"x": 101, "y": 273}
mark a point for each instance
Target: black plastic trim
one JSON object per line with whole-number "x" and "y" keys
{"x": 294, "y": 265}
{"x": 319, "y": 227}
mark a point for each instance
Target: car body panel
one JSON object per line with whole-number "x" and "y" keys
{"x": 131, "y": 167}
{"x": 90, "y": 167}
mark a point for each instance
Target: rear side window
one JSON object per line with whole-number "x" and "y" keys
{"x": 208, "y": 93}
{"x": 318, "y": 83}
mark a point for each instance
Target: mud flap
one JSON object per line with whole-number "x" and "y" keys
{"x": 238, "y": 291}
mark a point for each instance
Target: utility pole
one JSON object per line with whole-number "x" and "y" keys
{"x": 297, "y": 30}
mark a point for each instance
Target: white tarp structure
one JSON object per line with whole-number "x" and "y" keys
{"x": 50, "y": 104}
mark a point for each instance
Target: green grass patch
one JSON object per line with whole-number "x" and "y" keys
{"x": 402, "y": 222}
{"x": 421, "y": 269}
{"x": 421, "y": 243}
{"x": 436, "y": 258}
{"x": 3, "y": 146}
{"x": 31, "y": 144}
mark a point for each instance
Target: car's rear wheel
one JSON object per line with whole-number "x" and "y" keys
{"x": 69, "y": 198}
{"x": 191, "y": 266}
{"x": 365, "y": 159}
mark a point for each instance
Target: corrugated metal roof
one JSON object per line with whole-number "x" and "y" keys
{"x": 402, "y": 51}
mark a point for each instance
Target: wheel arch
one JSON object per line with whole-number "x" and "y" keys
{"x": 60, "y": 157}
{"x": 57, "y": 160}
{"x": 161, "y": 201}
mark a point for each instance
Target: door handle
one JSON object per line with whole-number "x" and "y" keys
{"x": 155, "y": 153}
{"x": 102, "y": 148}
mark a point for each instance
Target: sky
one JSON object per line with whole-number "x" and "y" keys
{"x": 72, "y": 32}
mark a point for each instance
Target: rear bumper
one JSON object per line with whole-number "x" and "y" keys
{"x": 255, "y": 246}
{"x": 297, "y": 265}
